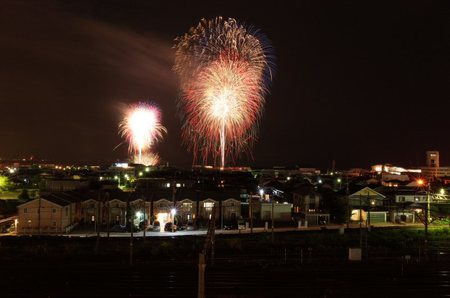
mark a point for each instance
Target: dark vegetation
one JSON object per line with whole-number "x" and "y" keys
{"x": 327, "y": 244}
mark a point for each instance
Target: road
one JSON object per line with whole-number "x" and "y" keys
{"x": 231, "y": 232}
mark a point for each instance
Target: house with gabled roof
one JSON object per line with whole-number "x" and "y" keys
{"x": 49, "y": 214}
{"x": 367, "y": 205}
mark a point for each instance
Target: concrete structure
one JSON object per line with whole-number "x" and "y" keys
{"x": 65, "y": 184}
{"x": 433, "y": 167}
{"x": 432, "y": 159}
{"x": 281, "y": 211}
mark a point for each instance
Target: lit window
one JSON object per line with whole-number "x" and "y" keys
{"x": 186, "y": 206}
{"x": 208, "y": 206}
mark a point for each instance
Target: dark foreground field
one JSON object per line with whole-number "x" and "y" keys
{"x": 396, "y": 263}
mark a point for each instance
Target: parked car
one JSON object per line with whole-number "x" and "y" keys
{"x": 241, "y": 224}
{"x": 156, "y": 227}
{"x": 230, "y": 226}
{"x": 170, "y": 227}
{"x": 190, "y": 226}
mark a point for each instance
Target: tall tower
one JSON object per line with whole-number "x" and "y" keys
{"x": 433, "y": 159}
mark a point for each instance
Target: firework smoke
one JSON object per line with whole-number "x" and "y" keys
{"x": 142, "y": 128}
{"x": 224, "y": 69}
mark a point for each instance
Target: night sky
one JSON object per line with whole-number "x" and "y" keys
{"x": 360, "y": 83}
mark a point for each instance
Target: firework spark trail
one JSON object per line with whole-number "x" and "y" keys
{"x": 223, "y": 69}
{"x": 142, "y": 128}
{"x": 147, "y": 159}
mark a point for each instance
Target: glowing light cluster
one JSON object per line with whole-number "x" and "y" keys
{"x": 142, "y": 128}
{"x": 224, "y": 70}
{"x": 147, "y": 158}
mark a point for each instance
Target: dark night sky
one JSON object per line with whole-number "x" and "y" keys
{"x": 357, "y": 83}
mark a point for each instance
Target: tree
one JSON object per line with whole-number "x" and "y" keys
{"x": 5, "y": 184}
{"x": 24, "y": 196}
{"x": 335, "y": 204}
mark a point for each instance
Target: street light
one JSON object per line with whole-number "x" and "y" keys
{"x": 173, "y": 211}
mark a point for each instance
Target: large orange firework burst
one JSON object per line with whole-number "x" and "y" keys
{"x": 142, "y": 128}
{"x": 224, "y": 69}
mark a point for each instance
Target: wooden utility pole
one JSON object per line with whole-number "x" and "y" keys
{"x": 97, "y": 220}
{"x": 427, "y": 212}
{"x": 251, "y": 213}
{"x": 360, "y": 221}
{"x": 208, "y": 247}
{"x": 348, "y": 204}
{"x": 39, "y": 215}
{"x": 273, "y": 221}
{"x": 108, "y": 218}
{"x": 201, "y": 275}
{"x": 145, "y": 225}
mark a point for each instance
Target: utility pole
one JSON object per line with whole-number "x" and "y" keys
{"x": 360, "y": 221}
{"x": 39, "y": 215}
{"x": 348, "y": 204}
{"x": 251, "y": 213}
{"x": 97, "y": 221}
{"x": 201, "y": 275}
{"x": 427, "y": 212}
{"x": 108, "y": 217}
{"x": 131, "y": 241}
{"x": 145, "y": 226}
{"x": 131, "y": 223}
{"x": 208, "y": 247}
{"x": 272, "y": 219}
{"x": 221, "y": 216}
{"x": 368, "y": 210}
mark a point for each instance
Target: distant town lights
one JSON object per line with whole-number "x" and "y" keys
{"x": 121, "y": 165}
